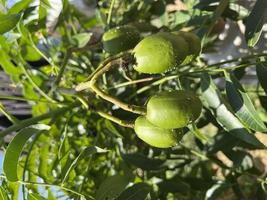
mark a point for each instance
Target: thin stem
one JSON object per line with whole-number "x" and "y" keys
{"x": 237, "y": 59}
{"x": 10, "y": 117}
{"x": 86, "y": 85}
{"x": 116, "y": 120}
{"x": 133, "y": 82}
{"x": 62, "y": 69}
{"x": 34, "y": 120}
{"x": 52, "y": 185}
{"x": 50, "y": 61}
{"x": 158, "y": 82}
{"x": 107, "y": 97}
{"x": 110, "y": 11}
{"x": 25, "y": 71}
{"x": 27, "y": 99}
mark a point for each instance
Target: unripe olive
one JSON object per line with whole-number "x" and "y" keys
{"x": 120, "y": 39}
{"x": 155, "y": 136}
{"x": 173, "y": 109}
{"x": 194, "y": 44}
{"x": 160, "y": 52}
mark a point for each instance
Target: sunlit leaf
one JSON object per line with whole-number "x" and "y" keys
{"x": 216, "y": 190}
{"x": 85, "y": 152}
{"x": 81, "y": 39}
{"x": 223, "y": 115}
{"x": 35, "y": 197}
{"x": 8, "y": 22}
{"x": 13, "y": 152}
{"x": 3, "y": 194}
{"x": 242, "y": 105}
{"x": 19, "y": 6}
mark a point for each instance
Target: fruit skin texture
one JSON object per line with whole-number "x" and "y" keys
{"x": 174, "y": 109}
{"x": 120, "y": 39}
{"x": 155, "y": 136}
{"x": 160, "y": 52}
{"x": 194, "y": 44}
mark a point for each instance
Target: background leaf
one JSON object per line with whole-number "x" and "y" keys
{"x": 223, "y": 116}
{"x": 242, "y": 105}
{"x": 255, "y": 21}
{"x": 138, "y": 191}
{"x": 142, "y": 161}
{"x": 8, "y": 22}
{"x": 112, "y": 187}
{"x": 35, "y": 197}
{"x": 261, "y": 69}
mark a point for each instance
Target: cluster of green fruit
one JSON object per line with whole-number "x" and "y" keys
{"x": 167, "y": 112}
{"x": 156, "y": 53}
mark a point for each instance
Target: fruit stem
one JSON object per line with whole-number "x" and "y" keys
{"x": 114, "y": 100}
{"x": 106, "y": 66}
{"x": 116, "y": 120}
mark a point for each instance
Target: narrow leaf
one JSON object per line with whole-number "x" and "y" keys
{"x": 19, "y": 6}
{"x": 112, "y": 187}
{"x": 35, "y": 197}
{"x": 223, "y": 115}
{"x": 138, "y": 191}
{"x": 242, "y": 105}
{"x": 81, "y": 39}
{"x": 255, "y": 21}
{"x": 216, "y": 190}
{"x": 85, "y": 152}
{"x": 8, "y": 22}
{"x": 3, "y": 194}
{"x": 13, "y": 152}
{"x": 261, "y": 69}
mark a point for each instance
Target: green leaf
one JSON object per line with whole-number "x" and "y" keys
{"x": 138, "y": 191}
{"x": 13, "y": 152}
{"x": 3, "y": 194}
{"x": 255, "y": 21}
{"x": 242, "y": 105}
{"x": 261, "y": 69}
{"x": 174, "y": 185}
{"x": 35, "y": 197}
{"x": 141, "y": 161}
{"x": 85, "y": 152}
{"x": 81, "y": 39}
{"x": 223, "y": 115}
{"x": 13, "y": 71}
{"x": 215, "y": 191}
{"x": 112, "y": 187}
{"x": 112, "y": 128}
{"x": 19, "y": 6}
{"x": 242, "y": 160}
{"x": 8, "y": 22}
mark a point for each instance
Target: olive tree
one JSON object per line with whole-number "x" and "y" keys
{"x": 127, "y": 101}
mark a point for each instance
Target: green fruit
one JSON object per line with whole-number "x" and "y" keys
{"x": 160, "y": 52}
{"x": 120, "y": 39}
{"x": 155, "y": 136}
{"x": 194, "y": 44}
{"x": 173, "y": 109}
